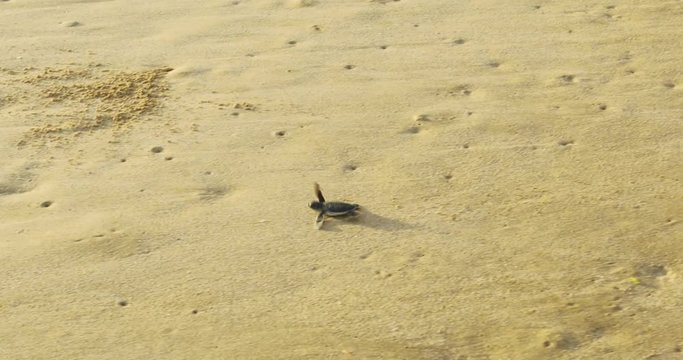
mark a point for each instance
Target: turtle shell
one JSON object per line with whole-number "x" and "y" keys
{"x": 339, "y": 208}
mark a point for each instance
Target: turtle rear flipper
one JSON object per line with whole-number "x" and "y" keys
{"x": 319, "y": 193}
{"x": 319, "y": 221}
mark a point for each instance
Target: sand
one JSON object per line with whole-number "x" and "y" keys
{"x": 518, "y": 165}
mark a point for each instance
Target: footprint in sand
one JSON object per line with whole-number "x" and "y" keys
{"x": 297, "y": 4}
{"x": 398, "y": 262}
{"x": 418, "y": 121}
{"x": 411, "y": 130}
{"x": 425, "y": 121}
{"x": 568, "y": 78}
{"x": 460, "y": 90}
{"x": 648, "y": 274}
{"x": 382, "y": 274}
{"x": 561, "y": 340}
{"x": 213, "y": 192}
{"x": 70, "y": 23}
{"x": 420, "y": 118}
{"x": 17, "y": 182}
{"x": 669, "y": 84}
{"x": 348, "y": 168}
{"x": 112, "y": 244}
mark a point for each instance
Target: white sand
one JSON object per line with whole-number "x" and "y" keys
{"x": 533, "y": 211}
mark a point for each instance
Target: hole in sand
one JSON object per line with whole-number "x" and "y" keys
{"x": 349, "y": 67}
{"x": 46, "y": 204}
{"x": 157, "y": 149}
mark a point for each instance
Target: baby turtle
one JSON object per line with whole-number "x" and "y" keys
{"x": 330, "y": 208}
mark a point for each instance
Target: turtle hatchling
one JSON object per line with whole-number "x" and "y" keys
{"x": 330, "y": 208}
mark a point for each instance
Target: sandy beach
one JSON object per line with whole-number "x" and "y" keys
{"x": 518, "y": 165}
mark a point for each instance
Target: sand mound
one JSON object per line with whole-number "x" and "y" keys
{"x": 70, "y": 100}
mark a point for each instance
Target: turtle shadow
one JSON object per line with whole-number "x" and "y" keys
{"x": 376, "y": 221}
{"x": 368, "y": 219}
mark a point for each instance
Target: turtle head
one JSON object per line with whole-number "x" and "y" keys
{"x": 316, "y": 205}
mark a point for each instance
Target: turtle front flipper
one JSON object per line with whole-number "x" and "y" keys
{"x": 319, "y": 193}
{"x": 319, "y": 221}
